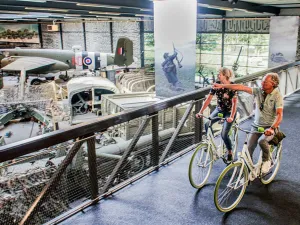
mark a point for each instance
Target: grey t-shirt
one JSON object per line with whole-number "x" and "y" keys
{"x": 267, "y": 115}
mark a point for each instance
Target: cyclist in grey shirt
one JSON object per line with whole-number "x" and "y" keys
{"x": 268, "y": 114}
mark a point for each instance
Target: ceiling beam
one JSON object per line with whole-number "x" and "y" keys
{"x": 252, "y": 7}
{"x": 68, "y": 6}
{"x": 125, "y": 3}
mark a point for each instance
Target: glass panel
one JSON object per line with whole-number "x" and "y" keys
{"x": 149, "y": 48}
{"x": 258, "y": 62}
{"x": 252, "y": 70}
{"x": 149, "y": 37}
{"x": 149, "y": 54}
{"x": 259, "y": 50}
{"x": 211, "y": 38}
{"x": 229, "y": 60}
{"x": 236, "y": 39}
{"x": 259, "y": 39}
{"x": 209, "y": 59}
{"x": 149, "y": 61}
{"x": 209, "y": 48}
{"x": 234, "y": 49}
{"x": 208, "y": 70}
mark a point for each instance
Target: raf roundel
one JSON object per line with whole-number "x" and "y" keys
{"x": 87, "y": 61}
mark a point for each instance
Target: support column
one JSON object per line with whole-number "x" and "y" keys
{"x": 22, "y": 81}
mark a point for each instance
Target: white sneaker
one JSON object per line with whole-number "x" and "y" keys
{"x": 266, "y": 166}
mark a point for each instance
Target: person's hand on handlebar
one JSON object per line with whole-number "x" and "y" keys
{"x": 269, "y": 132}
{"x": 229, "y": 119}
{"x": 199, "y": 115}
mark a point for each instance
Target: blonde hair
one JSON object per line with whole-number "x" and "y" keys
{"x": 274, "y": 78}
{"x": 228, "y": 73}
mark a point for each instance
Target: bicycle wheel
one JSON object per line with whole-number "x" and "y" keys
{"x": 230, "y": 187}
{"x": 275, "y": 157}
{"x": 200, "y": 165}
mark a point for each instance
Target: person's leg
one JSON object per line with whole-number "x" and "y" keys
{"x": 252, "y": 142}
{"x": 265, "y": 147}
{"x": 212, "y": 115}
{"x": 224, "y": 134}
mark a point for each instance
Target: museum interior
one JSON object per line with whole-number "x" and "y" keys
{"x": 144, "y": 112}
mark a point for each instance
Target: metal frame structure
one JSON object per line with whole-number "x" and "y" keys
{"x": 86, "y": 132}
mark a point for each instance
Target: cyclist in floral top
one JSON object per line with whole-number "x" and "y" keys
{"x": 226, "y": 104}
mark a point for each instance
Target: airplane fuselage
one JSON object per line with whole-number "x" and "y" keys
{"x": 66, "y": 59}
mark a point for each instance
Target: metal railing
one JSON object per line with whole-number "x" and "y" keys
{"x": 46, "y": 179}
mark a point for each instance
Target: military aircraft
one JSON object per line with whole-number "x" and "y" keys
{"x": 43, "y": 61}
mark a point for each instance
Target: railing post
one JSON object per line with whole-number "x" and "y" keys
{"x": 93, "y": 167}
{"x": 127, "y": 152}
{"x": 175, "y": 134}
{"x": 198, "y": 122}
{"x": 155, "y": 142}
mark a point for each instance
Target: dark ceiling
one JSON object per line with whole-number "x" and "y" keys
{"x": 22, "y": 10}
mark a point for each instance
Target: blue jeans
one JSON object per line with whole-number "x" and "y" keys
{"x": 226, "y": 126}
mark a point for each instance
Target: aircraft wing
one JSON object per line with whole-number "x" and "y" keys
{"x": 31, "y": 63}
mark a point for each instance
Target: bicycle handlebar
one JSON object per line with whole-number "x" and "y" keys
{"x": 220, "y": 116}
{"x": 260, "y": 130}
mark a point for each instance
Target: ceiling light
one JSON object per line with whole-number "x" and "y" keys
{"x": 40, "y": 1}
{"x": 143, "y": 15}
{"x": 214, "y": 7}
{"x": 147, "y": 10}
{"x": 104, "y": 13}
{"x": 12, "y": 12}
{"x": 233, "y": 1}
{"x": 26, "y": 19}
{"x": 47, "y": 9}
{"x": 72, "y": 15}
{"x": 96, "y": 5}
{"x": 247, "y": 11}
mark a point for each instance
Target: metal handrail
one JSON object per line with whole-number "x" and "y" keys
{"x": 14, "y": 150}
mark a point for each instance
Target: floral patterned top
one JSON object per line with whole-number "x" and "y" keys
{"x": 224, "y": 97}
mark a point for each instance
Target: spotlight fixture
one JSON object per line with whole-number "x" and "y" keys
{"x": 233, "y": 1}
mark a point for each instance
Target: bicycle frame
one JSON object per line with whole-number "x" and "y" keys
{"x": 216, "y": 149}
{"x": 245, "y": 158}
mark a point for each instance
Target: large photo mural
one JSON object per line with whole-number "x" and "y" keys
{"x": 25, "y": 33}
{"x": 283, "y": 40}
{"x": 175, "y": 46}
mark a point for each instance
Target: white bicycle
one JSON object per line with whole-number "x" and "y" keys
{"x": 207, "y": 152}
{"x": 234, "y": 179}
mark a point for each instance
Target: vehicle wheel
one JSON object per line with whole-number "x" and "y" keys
{"x": 200, "y": 165}
{"x": 35, "y": 82}
{"x": 275, "y": 157}
{"x": 230, "y": 187}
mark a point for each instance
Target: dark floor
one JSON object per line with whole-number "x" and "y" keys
{"x": 166, "y": 197}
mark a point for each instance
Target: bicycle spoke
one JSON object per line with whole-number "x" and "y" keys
{"x": 230, "y": 187}
{"x": 200, "y": 166}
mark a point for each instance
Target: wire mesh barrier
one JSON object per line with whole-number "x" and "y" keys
{"x": 47, "y": 179}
